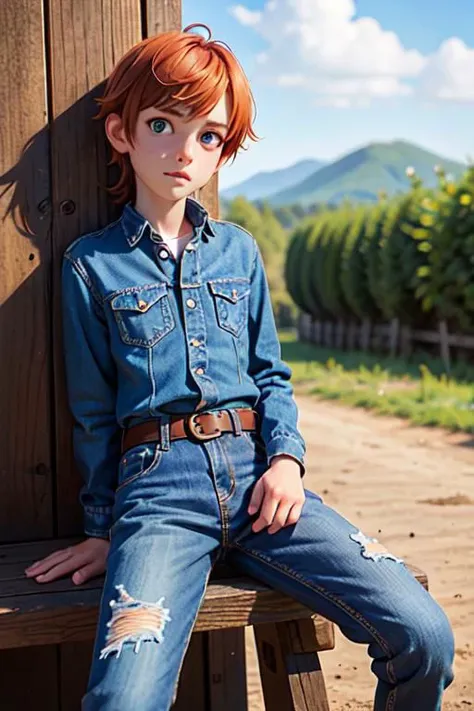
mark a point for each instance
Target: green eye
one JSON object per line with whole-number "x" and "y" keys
{"x": 155, "y": 125}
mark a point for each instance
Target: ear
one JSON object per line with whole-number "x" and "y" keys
{"x": 115, "y": 133}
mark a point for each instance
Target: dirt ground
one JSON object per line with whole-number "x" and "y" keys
{"x": 416, "y": 484}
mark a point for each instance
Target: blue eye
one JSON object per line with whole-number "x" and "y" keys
{"x": 211, "y": 133}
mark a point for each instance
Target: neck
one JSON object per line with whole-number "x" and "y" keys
{"x": 167, "y": 217}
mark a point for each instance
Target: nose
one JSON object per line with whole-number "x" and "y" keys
{"x": 184, "y": 150}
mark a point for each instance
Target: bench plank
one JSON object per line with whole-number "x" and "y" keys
{"x": 32, "y": 613}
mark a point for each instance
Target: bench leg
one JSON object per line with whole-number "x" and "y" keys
{"x": 292, "y": 679}
{"x": 214, "y": 677}
{"x": 227, "y": 670}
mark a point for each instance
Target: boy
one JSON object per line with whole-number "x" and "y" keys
{"x": 185, "y": 423}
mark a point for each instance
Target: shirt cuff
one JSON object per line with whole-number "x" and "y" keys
{"x": 287, "y": 445}
{"x": 98, "y": 521}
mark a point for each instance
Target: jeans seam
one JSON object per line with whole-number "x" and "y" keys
{"x": 357, "y": 616}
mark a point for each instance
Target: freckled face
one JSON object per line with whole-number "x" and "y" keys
{"x": 167, "y": 142}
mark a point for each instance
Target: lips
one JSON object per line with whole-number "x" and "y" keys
{"x": 180, "y": 174}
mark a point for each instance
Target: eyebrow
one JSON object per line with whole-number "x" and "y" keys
{"x": 174, "y": 112}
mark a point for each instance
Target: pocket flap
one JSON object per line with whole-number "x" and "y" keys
{"x": 231, "y": 290}
{"x": 141, "y": 299}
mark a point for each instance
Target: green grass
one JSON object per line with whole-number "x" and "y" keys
{"x": 416, "y": 389}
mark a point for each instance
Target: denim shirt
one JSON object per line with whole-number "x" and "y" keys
{"x": 146, "y": 335}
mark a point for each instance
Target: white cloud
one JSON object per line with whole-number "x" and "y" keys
{"x": 449, "y": 75}
{"x": 335, "y": 102}
{"x": 245, "y": 16}
{"x": 319, "y": 46}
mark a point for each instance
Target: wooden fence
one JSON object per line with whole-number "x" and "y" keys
{"x": 392, "y": 337}
{"x": 55, "y": 56}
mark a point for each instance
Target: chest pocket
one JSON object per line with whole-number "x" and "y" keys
{"x": 231, "y": 300}
{"x": 143, "y": 314}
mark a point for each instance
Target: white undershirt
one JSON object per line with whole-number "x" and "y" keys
{"x": 177, "y": 244}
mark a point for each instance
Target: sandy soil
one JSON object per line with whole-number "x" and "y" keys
{"x": 416, "y": 485}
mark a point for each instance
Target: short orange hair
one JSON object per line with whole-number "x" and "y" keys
{"x": 169, "y": 69}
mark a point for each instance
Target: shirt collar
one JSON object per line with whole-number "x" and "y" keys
{"x": 135, "y": 225}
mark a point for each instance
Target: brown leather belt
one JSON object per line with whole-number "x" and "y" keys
{"x": 197, "y": 426}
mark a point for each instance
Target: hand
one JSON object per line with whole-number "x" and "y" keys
{"x": 86, "y": 560}
{"x": 282, "y": 493}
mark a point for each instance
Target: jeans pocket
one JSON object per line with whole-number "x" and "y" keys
{"x": 255, "y": 441}
{"x": 138, "y": 462}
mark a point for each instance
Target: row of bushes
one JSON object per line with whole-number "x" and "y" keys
{"x": 410, "y": 257}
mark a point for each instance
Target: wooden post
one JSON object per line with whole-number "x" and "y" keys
{"x": 26, "y": 417}
{"x": 352, "y": 335}
{"x": 393, "y": 336}
{"x": 444, "y": 346}
{"x": 365, "y": 334}
{"x": 328, "y": 334}
{"x": 317, "y": 332}
{"x": 340, "y": 332}
{"x": 405, "y": 341}
{"x": 299, "y": 326}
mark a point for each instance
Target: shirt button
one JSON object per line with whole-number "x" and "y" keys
{"x": 191, "y": 303}
{"x": 163, "y": 254}
{"x": 199, "y": 371}
{"x": 195, "y": 342}
{"x": 189, "y": 248}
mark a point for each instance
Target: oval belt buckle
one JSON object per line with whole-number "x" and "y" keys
{"x": 200, "y": 434}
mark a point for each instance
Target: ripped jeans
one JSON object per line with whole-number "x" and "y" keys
{"x": 182, "y": 505}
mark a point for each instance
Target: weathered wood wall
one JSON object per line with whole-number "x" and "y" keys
{"x": 54, "y": 58}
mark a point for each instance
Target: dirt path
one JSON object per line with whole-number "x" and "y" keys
{"x": 416, "y": 485}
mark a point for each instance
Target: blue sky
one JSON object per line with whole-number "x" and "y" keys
{"x": 348, "y": 73}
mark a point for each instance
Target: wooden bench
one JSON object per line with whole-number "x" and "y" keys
{"x": 288, "y": 635}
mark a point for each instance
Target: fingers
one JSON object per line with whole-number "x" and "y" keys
{"x": 84, "y": 559}
{"x": 86, "y": 572}
{"x": 43, "y": 565}
{"x": 286, "y": 516}
{"x": 58, "y": 570}
{"x": 257, "y": 497}
{"x": 280, "y": 517}
{"x": 55, "y": 565}
{"x": 277, "y": 511}
{"x": 267, "y": 512}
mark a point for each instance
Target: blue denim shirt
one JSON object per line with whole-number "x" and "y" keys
{"x": 147, "y": 335}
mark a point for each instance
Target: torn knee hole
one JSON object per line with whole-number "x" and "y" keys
{"x": 134, "y": 621}
{"x": 371, "y": 548}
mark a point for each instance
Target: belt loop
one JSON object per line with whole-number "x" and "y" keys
{"x": 236, "y": 423}
{"x": 165, "y": 432}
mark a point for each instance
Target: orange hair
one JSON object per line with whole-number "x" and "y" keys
{"x": 192, "y": 71}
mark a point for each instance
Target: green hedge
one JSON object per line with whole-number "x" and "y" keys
{"x": 411, "y": 258}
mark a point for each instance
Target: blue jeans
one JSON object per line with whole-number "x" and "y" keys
{"x": 182, "y": 505}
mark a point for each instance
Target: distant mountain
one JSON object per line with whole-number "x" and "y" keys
{"x": 263, "y": 184}
{"x": 359, "y": 176}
